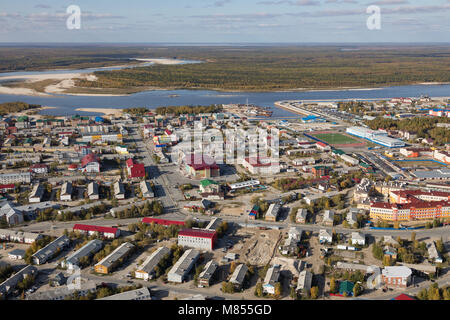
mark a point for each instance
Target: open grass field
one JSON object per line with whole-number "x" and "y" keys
{"x": 335, "y": 138}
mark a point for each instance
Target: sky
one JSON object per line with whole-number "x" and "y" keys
{"x": 225, "y": 21}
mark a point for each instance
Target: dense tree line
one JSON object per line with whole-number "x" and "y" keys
{"x": 14, "y": 107}
{"x": 178, "y": 110}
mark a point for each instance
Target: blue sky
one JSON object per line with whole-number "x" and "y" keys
{"x": 225, "y": 21}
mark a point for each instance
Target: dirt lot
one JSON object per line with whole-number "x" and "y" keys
{"x": 256, "y": 246}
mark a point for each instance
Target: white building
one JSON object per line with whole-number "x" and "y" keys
{"x": 183, "y": 266}
{"x": 325, "y": 236}
{"x": 119, "y": 190}
{"x": 146, "y": 270}
{"x": 272, "y": 212}
{"x": 11, "y": 178}
{"x": 197, "y": 238}
{"x": 92, "y": 191}
{"x": 134, "y": 295}
{"x": 304, "y": 282}
{"x": 36, "y": 193}
{"x": 271, "y": 279}
{"x": 396, "y": 277}
{"x": 358, "y": 238}
{"x": 66, "y": 192}
{"x": 146, "y": 189}
{"x": 301, "y": 215}
{"x": 238, "y": 276}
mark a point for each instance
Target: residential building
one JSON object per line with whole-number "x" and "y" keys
{"x": 37, "y": 192}
{"x": 105, "y": 232}
{"x": 66, "y": 192}
{"x": 51, "y": 250}
{"x": 12, "y": 178}
{"x": 39, "y": 168}
{"x": 295, "y": 234}
{"x": 146, "y": 271}
{"x": 325, "y": 236}
{"x": 358, "y": 238}
{"x": 183, "y": 266}
{"x": 396, "y": 277}
{"x": 65, "y": 291}
{"x": 11, "y": 213}
{"x": 238, "y": 276}
{"x": 147, "y": 190}
{"x": 304, "y": 282}
{"x": 417, "y": 210}
{"x": 16, "y": 254}
{"x": 433, "y": 254}
{"x": 92, "y": 191}
{"x": 119, "y": 190}
{"x": 328, "y": 218}
{"x": 90, "y": 164}
{"x": 87, "y": 250}
{"x": 272, "y": 212}
{"x": 115, "y": 258}
{"x": 209, "y": 186}
{"x": 206, "y": 276}
{"x": 197, "y": 238}
{"x": 271, "y": 279}
{"x": 200, "y": 166}
{"x": 19, "y": 236}
{"x": 10, "y": 284}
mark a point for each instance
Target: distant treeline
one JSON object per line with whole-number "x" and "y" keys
{"x": 13, "y": 107}
{"x": 178, "y": 110}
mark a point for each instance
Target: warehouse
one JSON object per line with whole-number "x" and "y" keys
{"x": 146, "y": 270}
{"x": 183, "y": 266}
{"x": 197, "y": 238}
{"x": 116, "y": 257}
{"x": 87, "y": 250}
{"x": 50, "y": 250}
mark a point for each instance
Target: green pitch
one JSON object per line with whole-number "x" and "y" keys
{"x": 335, "y": 138}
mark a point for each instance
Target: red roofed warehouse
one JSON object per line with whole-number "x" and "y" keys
{"x": 135, "y": 170}
{"x": 107, "y": 232}
{"x": 197, "y": 238}
{"x": 162, "y": 222}
{"x": 201, "y": 166}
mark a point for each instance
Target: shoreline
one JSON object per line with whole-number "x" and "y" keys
{"x": 104, "y": 111}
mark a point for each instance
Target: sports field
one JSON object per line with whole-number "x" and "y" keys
{"x": 335, "y": 138}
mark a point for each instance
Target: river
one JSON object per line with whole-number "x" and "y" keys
{"x": 66, "y": 104}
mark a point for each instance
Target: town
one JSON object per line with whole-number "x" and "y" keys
{"x": 348, "y": 200}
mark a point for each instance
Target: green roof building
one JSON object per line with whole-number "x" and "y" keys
{"x": 346, "y": 287}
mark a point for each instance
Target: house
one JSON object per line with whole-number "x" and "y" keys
{"x": 66, "y": 192}
{"x": 90, "y": 163}
{"x": 346, "y": 288}
{"x": 119, "y": 190}
{"x": 271, "y": 279}
{"x": 390, "y": 251}
{"x": 133, "y": 295}
{"x": 92, "y": 191}
{"x": 183, "y": 266}
{"x": 115, "y": 258}
{"x": 358, "y": 238}
{"x": 238, "y": 276}
{"x": 147, "y": 190}
{"x": 261, "y": 166}
{"x": 396, "y": 277}
{"x": 323, "y": 147}
{"x": 39, "y": 168}
{"x": 51, "y": 250}
{"x": 37, "y": 192}
{"x": 325, "y": 236}
{"x": 301, "y": 215}
{"x": 135, "y": 170}
{"x": 88, "y": 250}
{"x": 11, "y": 214}
{"x": 304, "y": 282}
{"x": 197, "y": 238}
{"x": 328, "y": 218}
{"x": 146, "y": 270}
{"x": 16, "y": 254}
{"x": 272, "y": 212}
{"x": 105, "y": 232}
{"x": 206, "y": 276}
{"x": 58, "y": 280}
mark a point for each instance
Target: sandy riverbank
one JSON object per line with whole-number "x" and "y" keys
{"x": 105, "y": 111}
{"x": 163, "y": 61}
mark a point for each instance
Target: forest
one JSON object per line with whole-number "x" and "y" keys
{"x": 249, "y": 68}
{"x": 14, "y": 107}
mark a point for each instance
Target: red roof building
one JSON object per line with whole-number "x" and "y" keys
{"x": 135, "y": 170}
{"x": 403, "y": 297}
{"x": 107, "y": 232}
{"x": 201, "y": 166}
{"x": 90, "y": 163}
{"x": 197, "y": 238}
{"x": 162, "y": 222}
{"x": 6, "y": 187}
